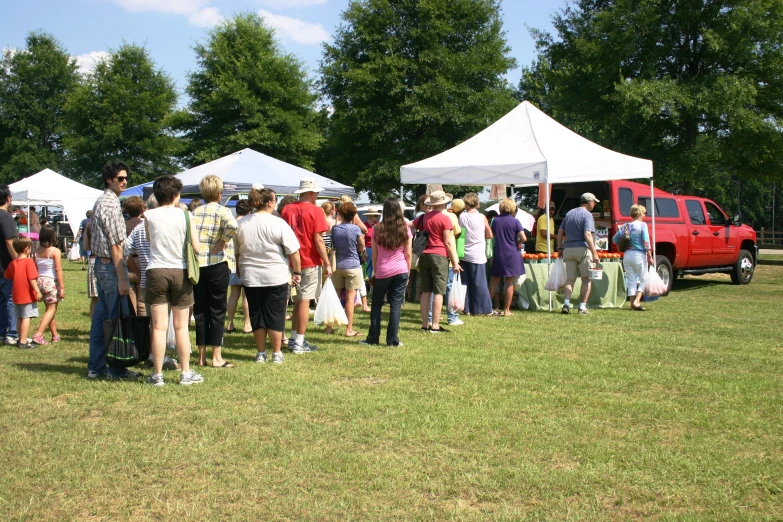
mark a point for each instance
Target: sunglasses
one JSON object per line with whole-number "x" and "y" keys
{"x": 122, "y": 178}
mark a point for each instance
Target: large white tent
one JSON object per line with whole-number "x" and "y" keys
{"x": 525, "y": 147}
{"x": 50, "y": 188}
{"x": 240, "y": 170}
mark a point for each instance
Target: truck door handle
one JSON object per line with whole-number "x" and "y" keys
{"x": 716, "y": 233}
{"x": 695, "y": 232}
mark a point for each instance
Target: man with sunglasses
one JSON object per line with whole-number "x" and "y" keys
{"x": 107, "y": 233}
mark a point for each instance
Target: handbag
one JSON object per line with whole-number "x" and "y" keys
{"x": 625, "y": 242}
{"x": 190, "y": 255}
{"x": 126, "y": 339}
{"x": 419, "y": 243}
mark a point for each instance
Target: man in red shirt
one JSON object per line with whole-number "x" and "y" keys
{"x": 308, "y": 222}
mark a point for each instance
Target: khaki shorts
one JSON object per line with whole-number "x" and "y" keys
{"x": 168, "y": 286}
{"x": 578, "y": 261}
{"x": 310, "y": 287}
{"x": 350, "y": 278}
{"x": 434, "y": 273}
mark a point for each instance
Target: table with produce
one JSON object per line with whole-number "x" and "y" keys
{"x": 607, "y": 292}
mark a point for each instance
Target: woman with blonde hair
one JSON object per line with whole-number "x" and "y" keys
{"x": 638, "y": 255}
{"x": 507, "y": 260}
{"x": 476, "y": 230}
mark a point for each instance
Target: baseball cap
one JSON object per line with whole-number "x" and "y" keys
{"x": 587, "y": 197}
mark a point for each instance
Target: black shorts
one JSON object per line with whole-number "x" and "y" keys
{"x": 267, "y": 306}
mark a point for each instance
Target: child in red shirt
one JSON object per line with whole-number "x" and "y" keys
{"x": 24, "y": 292}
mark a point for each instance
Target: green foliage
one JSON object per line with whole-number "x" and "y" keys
{"x": 248, "y": 93}
{"x": 34, "y": 84}
{"x": 407, "y": 80}
{"x": 121, "y": 111}
{"x": 693, "y": 85}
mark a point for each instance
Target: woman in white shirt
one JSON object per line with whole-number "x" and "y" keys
{"x": 167, "y": 282}
{"x": 265, "y": 245}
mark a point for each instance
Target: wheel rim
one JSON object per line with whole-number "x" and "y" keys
{"x": 746, "y": 268}
{"x": 664, "y": 275}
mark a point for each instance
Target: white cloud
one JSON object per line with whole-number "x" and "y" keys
{"x": 295, "y": 29}
{"x": 87, "y": 62}
{"x": 282, "y": 4}
{"x": 199, "y": 12}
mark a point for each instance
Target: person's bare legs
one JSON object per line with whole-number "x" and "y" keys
{"x": 46, "y": 319}
{"x": 301, "y": 316}
{"x": 246, "y": 309}
{"x": 260, "y": 338}
{"x": 509, "y": 295}
{"x": 231, "y": 309}
{"x": 159, "y": 313}
{"x": 638, "y": 301}
{"x": 22, "y": 326}
{"x": 437, "y": 307}
{"x": 569, "y": 288}
{"x": 217, "y": 356}
{"x": 584, "y": 292}
{"x": 494, "y": 281}
{"x": 424, "y": 307}
{"x": 181, "y": 335}
{"x": 350, "y": 297}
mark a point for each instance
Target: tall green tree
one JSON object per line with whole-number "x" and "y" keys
{"x": 122, "y": 110}
{"x": 247, "y": 92}
{"x": 694, "y": 85}
{"x": 407, "y": 79}
{"x": 34, "y": 84}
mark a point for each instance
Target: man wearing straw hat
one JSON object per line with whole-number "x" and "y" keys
{"x": 309, "y": 222}
{"x": 372, "y": 215}
{"x": 434, "y": 262}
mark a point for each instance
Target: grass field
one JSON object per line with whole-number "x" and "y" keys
{"x": 673, "y": 414}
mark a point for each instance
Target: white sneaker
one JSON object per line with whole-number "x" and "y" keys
{"x": 191, "y": 377}
{"x": 156, "y": 379}
{"x": 261, "y": 357}
{"x": 456, "y": 322}
{"x": 11, "y": 340}
{"x": 278, "y": 358}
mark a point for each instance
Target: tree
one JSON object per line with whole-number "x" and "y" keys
{"x": 408, "y": 79}
{"x": 34, "y": 84}
{"x": 693, "y": 85}
{"x": 121, "y": 110}
{"x": 248, "y": 93}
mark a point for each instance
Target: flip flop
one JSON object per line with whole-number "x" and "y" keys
{"x": 638, "y": 309}
{"x": 233, "y": 330}
{"x": 355, "y": 334}
{"x": 225, "y": 364}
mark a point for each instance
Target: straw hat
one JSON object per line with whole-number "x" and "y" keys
{"x": 308, "y": 185}
{"x": 438, "y": 198}
{"x": 373, "y": 211}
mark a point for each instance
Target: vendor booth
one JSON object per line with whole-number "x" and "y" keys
{"x": 50, "y": 188}
{"x": 240, "y": 170}
{"x": 528, "y": 148}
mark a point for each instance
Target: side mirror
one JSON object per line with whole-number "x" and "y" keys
{"x": 737, "y": 220}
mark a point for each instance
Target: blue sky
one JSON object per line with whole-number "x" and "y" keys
{"x": 169, "y": 28}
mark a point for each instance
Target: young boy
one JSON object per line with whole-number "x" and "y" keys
{"x": 24, "y": 292}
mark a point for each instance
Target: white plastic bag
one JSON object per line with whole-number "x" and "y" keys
{"x": 520, "y": 281}
{"x": 329, "y": 312}
{"x": 457, "y": 294}
{"x": 171, "y": 339}
{"x": 557, "y": 277}
{"x": 654, "y": 285}
{"x": 73, "y": 253}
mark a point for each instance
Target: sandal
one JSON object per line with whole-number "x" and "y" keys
{"x": 55, "y": 338}
{"x": 225, "y": 364}
{"x": 638, "y": 308}
{"x": 38, "y": 339}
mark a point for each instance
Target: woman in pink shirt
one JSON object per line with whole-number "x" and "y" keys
{"x": 391, "y": 257}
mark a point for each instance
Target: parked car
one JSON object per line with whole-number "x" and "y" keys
{"x": 693, "y": 235}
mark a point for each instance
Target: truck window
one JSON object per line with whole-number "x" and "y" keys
{"x": 568, "y": 204}
{"x": 695, "y": 212}
{"x": 626, "y": 201}
{"x": 716, "y": 216}
{"x": 664, "y": 207}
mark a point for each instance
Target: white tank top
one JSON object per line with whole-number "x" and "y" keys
{"x": 166, "y": 234}
{"x": 45, "y": 265}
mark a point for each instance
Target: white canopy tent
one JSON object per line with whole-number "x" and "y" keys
{"x": 524, "y": 148}
{"x": 50, "y": 188}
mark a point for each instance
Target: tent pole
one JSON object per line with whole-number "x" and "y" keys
{"x": 652, "y": 213}
{"x": 548, "y": 243}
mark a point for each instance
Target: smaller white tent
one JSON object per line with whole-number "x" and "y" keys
{"x": 525, "y": 147}
{"x": 50, "y": 188}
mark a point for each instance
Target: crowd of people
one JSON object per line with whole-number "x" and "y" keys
{"x": 274, "y": 251}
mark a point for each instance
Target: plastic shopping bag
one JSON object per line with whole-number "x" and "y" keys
{"x": 557, "y": 277}
{"x": 73, "y": 253}
{"x": 654, "y": 285}
{"x": 171, "y": 340}
{"x": 329, "y": 312}
{"x": 457, "y": 294}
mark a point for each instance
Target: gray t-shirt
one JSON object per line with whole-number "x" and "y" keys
{"x": 575, "y": 224}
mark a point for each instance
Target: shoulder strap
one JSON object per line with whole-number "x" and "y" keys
{"x": 187, "y": 232}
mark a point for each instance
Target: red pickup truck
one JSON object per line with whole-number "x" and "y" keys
{"x": 693, "y": 235}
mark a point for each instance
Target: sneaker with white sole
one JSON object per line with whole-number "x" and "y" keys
{"x": 456, "y": 322}
{"x": 261, "y": 357}
{"x": 583, "y": 311}
{"x": 190, "y": 377}
{"x": 156, "y": 379}
{"x": 11, "y": 340}
{"x": 92, "y": 374}
{"x": 278, "y": 358}
{"x": 305, "y": 348}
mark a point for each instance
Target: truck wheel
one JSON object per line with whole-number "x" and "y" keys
{"x": 743, "y": 269}
{"x": 665, "y": 272}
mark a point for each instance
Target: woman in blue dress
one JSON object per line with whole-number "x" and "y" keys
{"x": 507, "y": 261}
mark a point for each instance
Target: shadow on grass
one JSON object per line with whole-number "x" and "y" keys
{"x": 81, "y": 360}
{"x": 687, "y": 285}
{"x": 52, "y": 368}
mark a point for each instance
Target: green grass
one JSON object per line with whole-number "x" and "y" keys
{"x": 673, "y": 414}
